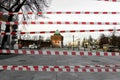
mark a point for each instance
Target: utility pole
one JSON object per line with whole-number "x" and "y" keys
{"x": 73, "y": 42}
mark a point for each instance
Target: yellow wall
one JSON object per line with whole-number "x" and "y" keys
{"x": 56, "y": 40}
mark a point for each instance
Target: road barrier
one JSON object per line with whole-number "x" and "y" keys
{"x": 65, "y": 53}
{"x": 58, "y": 68}
{"x": 75, "y": 66}
{"x": 60, "y": 23}
{"x": 58, "y": 12}
{"x": 61, "y": 31}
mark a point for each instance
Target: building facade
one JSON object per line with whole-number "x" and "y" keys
{"x": 38, "y": 43}
{"x": 57, "y": 39}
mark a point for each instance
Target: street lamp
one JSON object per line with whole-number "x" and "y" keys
{"x": 73, "y": 42}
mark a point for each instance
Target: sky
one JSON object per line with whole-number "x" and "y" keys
{"x": 78, "y": 5}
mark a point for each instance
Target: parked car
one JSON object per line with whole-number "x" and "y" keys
{"x": 113, "y": 49}
{"x": 33, "y": 46}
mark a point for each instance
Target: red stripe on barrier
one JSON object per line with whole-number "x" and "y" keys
{"x": 48, "y": 52}
{"x": 16, "y": 23}
{"x": 33, "y": 22}
{"x": 115, "y": 23}
{"x": 87, "y": 12}
{"x": 92, "y": 30}
{"x": 42, "y": 32}
{"x": 114, "y": 12}
{"x": 105, "y": 12}
{"x": 22, "y": 32}
{"x": 59, "y": 22}
{"x": 110, "y": 30}
{"x": 82, "y": 30}
{"x": 99, "y": 23}
{"x": 58, "y": 12}
{"x": 62, "y": 31}
{"x": 75, "y": 23}
{"x": 32, "y": 32}
{"x": 42, "y": 23}
{"x": 77, "y": 12}
{"x": 24, "y": 22}
{"x": 68, "y": 12}
{"x": 73, "y": 53}
{"x": 39, "y": 13}
{"x": 83, "y": 22}
{"x": 96, "y": 12}
{"x": 98, "y": 53}
{"x": 30, "y": 13}
{"x": 72, "y": 31}
{"x": 10, "y": 13}
{"x": 118, "y": 29}
{"x": 101, "y": 30}
{"x": 107, "y": 23}
{"x": 68, "y": 22}
{"x": 52, "y": 31}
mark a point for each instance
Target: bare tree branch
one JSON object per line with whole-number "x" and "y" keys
{"x": 45, "y": 3}
{"x": 4, "y": 8}
{"x": 24, "y": 5}
{"x": 19, "y": 6}
{"x": 14, "y": 5}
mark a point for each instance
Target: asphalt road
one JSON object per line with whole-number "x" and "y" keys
{"x": 5, "y": 56}
{"x": 58, "y": 60}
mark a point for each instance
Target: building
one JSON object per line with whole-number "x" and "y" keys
{"x": 57, "y": 39}
{"x": 75, "y": 43}
{"x": 29, "y": 43}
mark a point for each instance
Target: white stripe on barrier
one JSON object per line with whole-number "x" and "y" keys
{"x": 59, "y": 12}
{"x": 54, "y": 52}
{"x": 60, "y": 23}
{"x": 62, "y": 31}
{"x": 59, "y": 69}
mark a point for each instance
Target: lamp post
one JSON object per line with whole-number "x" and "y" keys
{"x": 73, "y": 42}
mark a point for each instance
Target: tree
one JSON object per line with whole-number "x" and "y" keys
{"x": 83, "y": 43}
{"x": 114, "y": 38}
{"x": 118, "y": 42}
{"x": 48, "y": 39}
{"x": 90, "y": 40}
{"x": 103, "y": 40}
{"x": 21, "y": 5}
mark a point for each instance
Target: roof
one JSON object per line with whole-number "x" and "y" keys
{"x": 57, "y": 32}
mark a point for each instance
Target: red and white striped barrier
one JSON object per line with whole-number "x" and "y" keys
{"x": 61, "y": 31}
{"x": 59, "y": 12}
{"x": 60, "y": 23}
{"x": 75, "y": 66}
{"x": 110, "y": 0}
{"x": 57, "y": 69}
{"x": 65, "y": 53}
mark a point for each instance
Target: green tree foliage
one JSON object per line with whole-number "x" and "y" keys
{"x": 103, "y": 40}
{"x": 90, "y": 40}
{"x": 115, "y": 40}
